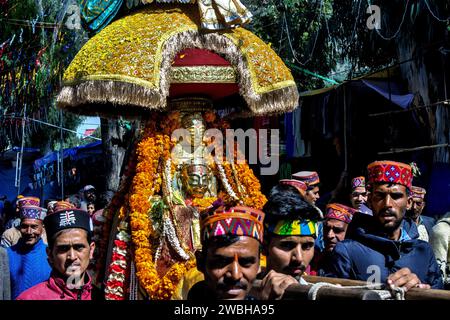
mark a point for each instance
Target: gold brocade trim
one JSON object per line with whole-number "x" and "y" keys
{"x": 256, "y": 87}
{"x": 203, "y": 74}
{"x": 190, "y": 104}
{"x": 111, "y": 77}
{"x": 159, "y": 52}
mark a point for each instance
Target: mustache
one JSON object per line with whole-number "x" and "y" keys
{"x": 293, "y": 266}
{"x": 29, "y": 236}
{"x": 387, "y": 212}
{"x": 72, "y": 266}
{"x": 223, "y": 286}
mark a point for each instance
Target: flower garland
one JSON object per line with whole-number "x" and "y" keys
{"x": 120, "y": 197}
{"x": 225, "y": 182}
{"x": 118, "y": 268}
{"x": 253, "y": 196}
{"x": 202, "y": 203}
{"x": 150, "y": 167}
{"x": 242, "y": 173}
{"x": 145, "y": 184}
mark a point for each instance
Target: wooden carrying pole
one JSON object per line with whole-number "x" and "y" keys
{"x": 300, "y": 292}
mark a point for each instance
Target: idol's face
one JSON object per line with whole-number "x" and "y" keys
{"x": 195, "y": 180}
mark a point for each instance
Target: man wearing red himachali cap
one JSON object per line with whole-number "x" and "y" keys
{"x": 337, "y": 219}
{"x": 385, "y": 247}
{"x": 424, "y": 224}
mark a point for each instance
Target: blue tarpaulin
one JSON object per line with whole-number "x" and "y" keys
{"x": 74, "y": 154}
{"x": 390, "y": 91}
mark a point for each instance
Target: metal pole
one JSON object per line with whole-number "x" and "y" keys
{"x": 345, "y": 132}
{"x": 62, "y": 153}
{"x": 20, "y": 154}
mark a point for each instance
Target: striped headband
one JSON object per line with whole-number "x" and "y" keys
{"x": 289, "y": 227}
{"x": 239, "y": 221}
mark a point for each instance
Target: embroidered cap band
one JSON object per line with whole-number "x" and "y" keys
{"x": 358, "y": 182}
{"x": 340, "y": 212}
{"x": 418, "y": 192}
{"x": 311, "y": 178}
{"x": 297, "y": 184}
{"x": 390, "y": 172}
{"x": 32, "y": 212}
{"x": 66, "y": 219}
{"x": 238, "y": 220}
{"x": 28, "y": 201}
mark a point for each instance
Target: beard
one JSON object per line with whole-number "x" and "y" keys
{"x": 391, "y": 227}
{"x": 412, "y": 214}
{"x": 393, "y": 222}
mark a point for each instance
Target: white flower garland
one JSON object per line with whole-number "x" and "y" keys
{"x": 168, "y": 180}
{"x": 225, "y": 182}
{"x": 161, "y": 242}
{"x": 173, "y": 239}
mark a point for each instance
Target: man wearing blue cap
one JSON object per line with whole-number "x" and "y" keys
{"x": 28, "y": 258}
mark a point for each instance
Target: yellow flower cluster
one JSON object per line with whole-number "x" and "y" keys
{"x": 249, "y": 188}
{"x": 253, "y": 196}
{"x": 203, "y": 203}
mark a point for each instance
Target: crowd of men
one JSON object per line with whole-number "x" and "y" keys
{"x": 382, "y": 230}
{"x": 45, "y": 252}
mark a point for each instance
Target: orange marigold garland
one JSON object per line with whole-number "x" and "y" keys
{"x": 152, "y": 153}
{"x": 253, "y": 196}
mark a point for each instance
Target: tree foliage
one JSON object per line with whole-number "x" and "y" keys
{"x": 296, "y": 30}
{"x": 331, "y": 37}
{"x": 35, "y": 49}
